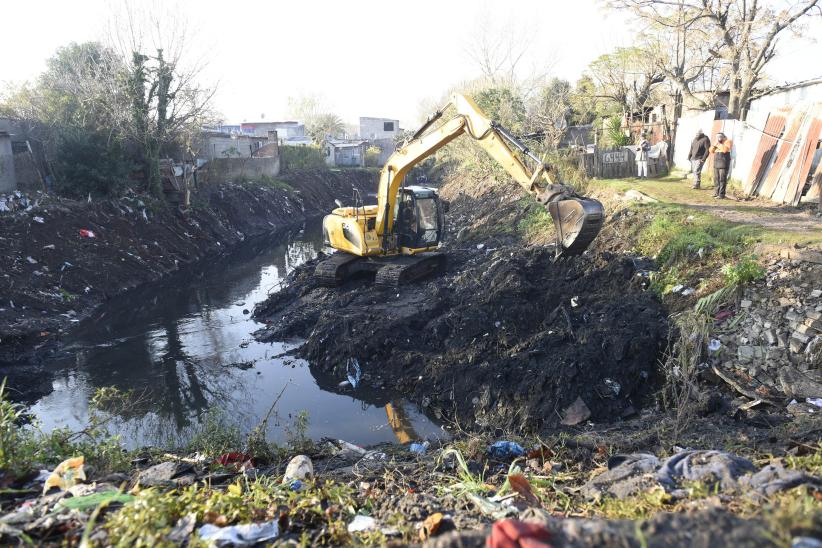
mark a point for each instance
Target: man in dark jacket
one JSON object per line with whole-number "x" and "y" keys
{"x": 698, "y": 154}
{"x": 722, "y": 163}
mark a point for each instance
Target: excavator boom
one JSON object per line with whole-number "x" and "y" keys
{"x": 407, "y": 219}
{"x": 577, "y": 220}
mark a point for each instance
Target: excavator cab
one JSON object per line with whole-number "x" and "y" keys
{"x": 419, "y": 218}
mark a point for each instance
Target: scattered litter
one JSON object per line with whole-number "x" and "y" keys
{"x": 39, "y": 220}
{"x": 714, "y": 345}
{"x": 723, "y": 315}
{"x": 505, "y": 450}
{"x": 352, "y": 371}
{"x": 362, "y": 523}
{"x": 814, "y": 401}
{"x": 343, "y": 448}
{"x": 31, "y": 260}
{"x": 431, "y": 526}
{"x": 513, "y": 532}
{"x": 344, "y": 384}
{"x": 677, "y": 288}
{"x": 519, "y": 483}
{"x": 613, "y": 386}
{"x": 50, "y": 246}
{"x": 67, "y": 473}
{"x": 90, "y": 502}
{"x": 628, "y": 475}
{"x": 183, "y": 529}
{"x": 480, "y": 246}
{"x": 419, "y": 447}
{"x": 496, "y": 507}
{"x": 688, "y": 291}
{"x": 85, "y": 233}
{"x": 299, "y": 468}
{"x": 575, "y": 413}
{"x": 239, "y": 535}
{"x": 574, "y": 302}
{"x": 163, "y": 474}
{"x": 227, "y": 459}
{"x": 297, "y": 486}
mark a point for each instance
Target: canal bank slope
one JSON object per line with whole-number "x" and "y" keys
{"x": 62, "y": 258}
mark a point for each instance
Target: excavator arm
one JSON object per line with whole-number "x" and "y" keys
{"x": 577, "y": 220}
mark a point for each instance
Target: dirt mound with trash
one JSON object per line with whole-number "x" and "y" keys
{"x": 507, "y": 338}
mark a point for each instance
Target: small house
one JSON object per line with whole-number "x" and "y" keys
{"x": 345, "y": 152}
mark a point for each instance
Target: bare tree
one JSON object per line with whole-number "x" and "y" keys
{"x": 627, "y": 76}
{"x": 740, "y": 35}
{"x": 548, "y": 113}
{"x": 505, "y": 53}
{"x": 163, "y": 102}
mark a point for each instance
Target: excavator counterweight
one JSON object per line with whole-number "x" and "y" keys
{"x": 398, "y": 238}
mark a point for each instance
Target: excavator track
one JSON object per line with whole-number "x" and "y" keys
{"x": 406, "y": 269}
{"x": 334, "y": 270}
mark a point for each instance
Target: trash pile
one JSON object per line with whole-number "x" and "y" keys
{"x": 769, "y": 344}
{"x": 506, "y": 339}
{"x": 503, "y": 494}
{"x": 18, "y": 201}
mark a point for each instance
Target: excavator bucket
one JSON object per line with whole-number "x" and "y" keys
{"x": 577, "y": 222}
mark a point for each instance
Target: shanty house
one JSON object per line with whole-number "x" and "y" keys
{"x": 345, "y": 153}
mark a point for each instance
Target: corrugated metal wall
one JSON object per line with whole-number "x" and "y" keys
{"x": 765, "y": 151}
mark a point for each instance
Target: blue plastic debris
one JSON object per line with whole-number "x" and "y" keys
{"x": 297, "y": 485}
{"x": 420, "y": 448}
{"x": 352, "y": 371}
{"x": 505, "y": 450}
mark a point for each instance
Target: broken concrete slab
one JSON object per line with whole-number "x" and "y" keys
{"x": 801, "y": 385}
{"x": 575, "y": 413}
{"x": 163, "y": 473}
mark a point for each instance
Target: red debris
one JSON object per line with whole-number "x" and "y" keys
{"x": 512, "y": 533}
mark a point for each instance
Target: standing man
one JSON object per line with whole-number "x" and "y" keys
{"x": 722, "y": 163}
{"x": 642, "y": 157}
{"x": 698, "y": 154}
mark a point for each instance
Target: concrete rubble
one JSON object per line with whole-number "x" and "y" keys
{"x": 774, "y": 338}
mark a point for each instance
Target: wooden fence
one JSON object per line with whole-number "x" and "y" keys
{"x": 619, "y": 162}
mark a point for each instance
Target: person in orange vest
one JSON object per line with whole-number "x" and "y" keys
{"x": 722, "y": 163}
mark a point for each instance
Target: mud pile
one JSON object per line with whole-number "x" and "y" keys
{"x": 507, "y": 338}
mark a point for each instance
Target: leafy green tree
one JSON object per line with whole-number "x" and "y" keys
{"x": 88, "y": 162}
{"x": 504, "y": 105}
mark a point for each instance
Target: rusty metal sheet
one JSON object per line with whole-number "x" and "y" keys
{"x": 802, "y": 165}
{"x": 765, "y": 151}
{"x": 795, "y": 121}
{"x": 816, "y": 186}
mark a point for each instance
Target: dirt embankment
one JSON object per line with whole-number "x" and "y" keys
{"x": 506, "y": 338}
{"x": 54, "y": 272}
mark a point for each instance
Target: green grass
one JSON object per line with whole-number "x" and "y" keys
{"x": 676, "y": 234}
{"x": 537, "y": 221}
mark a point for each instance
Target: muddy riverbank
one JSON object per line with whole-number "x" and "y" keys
{"x": 508, "y": 338}
{"x": 64, "y": 258}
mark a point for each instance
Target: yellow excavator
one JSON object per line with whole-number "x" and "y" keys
{"x": 398, "y": 238}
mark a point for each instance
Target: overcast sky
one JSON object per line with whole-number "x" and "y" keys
{"x": 366, "y": 58}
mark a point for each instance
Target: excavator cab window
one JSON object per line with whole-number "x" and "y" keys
{"x": 419, "y": 219}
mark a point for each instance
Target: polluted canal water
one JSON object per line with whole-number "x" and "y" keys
{"x": 183, "y": 347}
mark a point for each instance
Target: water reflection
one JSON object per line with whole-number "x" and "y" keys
{"x": 184, "y": 346}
